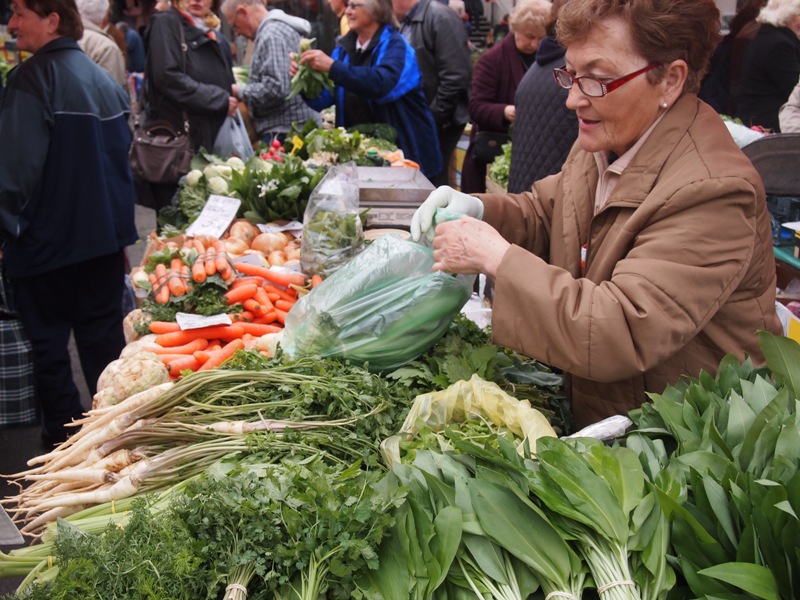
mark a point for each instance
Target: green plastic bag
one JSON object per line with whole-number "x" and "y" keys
{"x": 384, "y": 307}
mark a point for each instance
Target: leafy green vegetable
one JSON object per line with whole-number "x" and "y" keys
{"x": 501, "y": 167}
{"x": 150, "y": 557}
{"x": 330, "y": 239}
{"x": 724, "y": 455}
{"x": 307, "y": 82}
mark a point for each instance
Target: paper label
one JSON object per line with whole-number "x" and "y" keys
{"x": 191, "y": 321}
{"x": 290, "y": 226}
{"x": 216, "y": 216}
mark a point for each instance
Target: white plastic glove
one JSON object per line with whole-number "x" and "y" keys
{"x": 445, "y": 197}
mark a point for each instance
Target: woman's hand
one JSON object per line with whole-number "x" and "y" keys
{"x": 468, "y": 246}
{"x": 292, "y": 64}
{"x": 510, "y": 113}
{"x": 232, "y": 104}
{"x": 317, "y": 60}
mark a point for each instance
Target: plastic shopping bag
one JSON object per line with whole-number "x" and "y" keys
{"x": 232, "y": 139}
{"x": 384, "y": 307}
{"x": 332, "y": 228}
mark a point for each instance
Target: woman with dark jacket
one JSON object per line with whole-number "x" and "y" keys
{"x": 494, "y": 83}
{"x": 196, "y": 81}
{"x": 771, "y": 65}
{"x": 542, "y": 117}
{"x": 378, "y": 80}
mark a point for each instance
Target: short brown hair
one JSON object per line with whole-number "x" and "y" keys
{"x": 663, "y": 30}
{"x": 69, "y": 24}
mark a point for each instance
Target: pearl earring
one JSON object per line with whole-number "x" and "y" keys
{"x": 663, "y": 105}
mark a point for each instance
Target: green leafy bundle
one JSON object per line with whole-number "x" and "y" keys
{"x": 150, "y": 557}
{"x": 307, "y": 82}
{"x": 500, "y": 168}
{"x": 465, "y": 350}
{"x": 304, "y": 528}
{"x": 724, "y": 455}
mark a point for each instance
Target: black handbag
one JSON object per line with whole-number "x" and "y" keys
{"x": 161, "y": 152}
{"x": 488, "y": 145}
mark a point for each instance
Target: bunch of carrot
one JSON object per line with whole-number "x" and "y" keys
{"x": 169, "y": 281}
{"x": 211, "y": 260}
{"x": 205, "y": 347}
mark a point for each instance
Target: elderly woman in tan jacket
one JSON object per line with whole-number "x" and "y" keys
{"x": 649, "y": 256}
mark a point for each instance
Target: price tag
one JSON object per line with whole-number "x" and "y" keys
{"x": 290, "y": 226}
{"x": 191, "y": 321}
{"x": 216, "y": 216}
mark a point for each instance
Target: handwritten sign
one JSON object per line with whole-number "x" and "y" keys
{"x": 192, "y": 321}
{"x": 216, "y": 216}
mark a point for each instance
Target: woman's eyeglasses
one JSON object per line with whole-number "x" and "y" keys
{"x": 594, "y": 87}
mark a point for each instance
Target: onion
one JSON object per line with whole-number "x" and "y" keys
{"x": 243, "y": 229}
{"x": 236, "y": 246}
{"x": 292, "y": 252}
{"x": 268, "y": 242}
{"x": 276, "y": 258}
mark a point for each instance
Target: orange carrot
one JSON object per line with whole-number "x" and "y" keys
{"x": 188, "y": 348}
{"x": 202, "y": 356}
{"x": 268, "y": 318}
{"x": 259, "y": 329}
{"x": 252, "y": 305}
{"x": 221, "y": 355}
{"x": 168, "y": 358}
{"x": 177, "y": 286}
{"x": 281, "y": 314}
{"x": 210, "y": 261}
{"x": 185, "y": 362}
{"x": 280, "y": 278}
{"x": 273, "y": 296}
{"x": 221, "y": 259}
{"x": 179, "y": 338}
{"x": 259, "y": 281}
{"x": 316, "y": 280}
{"x": 284, "y": 305}
{"x": 242, "y": 317}
{"x": 241, "y": 293}
{"x": 199, "y": 266}
{"x": 163, "y": 326}
{"x": 161, "y": 289}
{"x": 284, "y": 295}
{"x": 262, "y": 298}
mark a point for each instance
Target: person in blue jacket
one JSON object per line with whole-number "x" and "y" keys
{"x": 377, "y": 80}
{"x": 66, "y": 204}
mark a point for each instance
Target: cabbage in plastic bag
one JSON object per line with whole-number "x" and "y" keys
{"x": 385, "y": 306}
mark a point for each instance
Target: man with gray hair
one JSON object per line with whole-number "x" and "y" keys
{"x": 276, "y": 36}
{"x": 98, "y": 44}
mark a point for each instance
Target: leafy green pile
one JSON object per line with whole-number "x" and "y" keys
{"x": 501, "y": 167}
{"x": 724, "y": 455}
{"x": 465, "y": 350}
{"x": 307, "y": 82}
{"x": 479, "y": 518}
{"x": 330, "y": 239}
{"x": 304, "y": 528}
{"x": 269, "y": 189}
{"x": 152, "y": 556}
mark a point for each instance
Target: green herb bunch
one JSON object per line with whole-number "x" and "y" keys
{"x": 307, "y": 82}
{"x": 151, "y": 556}
{"x": 723, "y": 454}
{"x": 301, "y": 529}
{"x": 501, "y": 167}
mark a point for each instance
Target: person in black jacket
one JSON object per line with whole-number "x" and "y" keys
{"x": 771, "y": 65}
{"x": 544, "y": 127}
{"x": 66, "y": 204}
{"x": 438, "y": 36}
{"x": 198, "y": 81}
